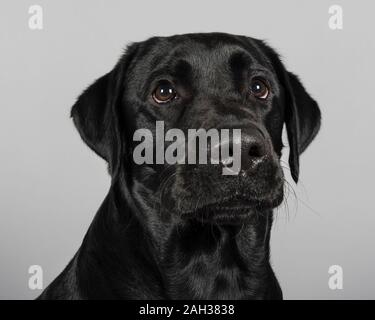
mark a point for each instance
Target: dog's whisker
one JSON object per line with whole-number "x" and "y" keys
{"x": 298, "y": 200}
{"x": 310, "y": 208}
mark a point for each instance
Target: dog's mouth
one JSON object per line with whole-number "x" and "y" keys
{"x": 223, "y": 199}
{"x": 233, "y": 210}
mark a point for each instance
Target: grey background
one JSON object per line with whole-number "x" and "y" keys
{"x": 51, "y": 184}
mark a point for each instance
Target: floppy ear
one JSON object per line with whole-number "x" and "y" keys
{"x": 95, "y": 114}
{"x": 302, "y": 114}
{"x": 302, "y": 119}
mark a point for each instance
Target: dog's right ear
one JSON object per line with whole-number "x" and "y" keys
{"x": 95, "y": 114}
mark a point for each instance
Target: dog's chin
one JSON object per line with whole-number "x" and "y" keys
{"x": 233, "y": 210}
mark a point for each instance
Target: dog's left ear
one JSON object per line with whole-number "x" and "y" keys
{"x": 302, "y": 114}
{"x": 96, "y": 113}
{"x": 302, "y": 120}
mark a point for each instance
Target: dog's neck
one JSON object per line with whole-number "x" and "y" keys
{"x": 207, "y": 261}
{"x": 185, "y": 260}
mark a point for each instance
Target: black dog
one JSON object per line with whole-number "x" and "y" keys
{"x": 186, "y": 231}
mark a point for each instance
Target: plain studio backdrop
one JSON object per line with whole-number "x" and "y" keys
{"x": 51, "y": 184}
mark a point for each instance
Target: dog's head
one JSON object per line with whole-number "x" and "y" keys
{"x": 198, "y": 81}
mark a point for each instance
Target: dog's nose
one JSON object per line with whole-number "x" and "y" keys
{"x": 253, "y": 151}
{"x": 253, "y": 147}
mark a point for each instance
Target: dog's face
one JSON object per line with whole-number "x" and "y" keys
{"x": 200, "y": 81}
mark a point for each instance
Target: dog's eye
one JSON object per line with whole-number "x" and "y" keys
{"x": 164, "y": 92}
{"x": 259, "y": 88}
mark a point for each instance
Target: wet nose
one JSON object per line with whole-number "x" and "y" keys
{"x": 253, "y": 151}
{"x": 253, "y": 146}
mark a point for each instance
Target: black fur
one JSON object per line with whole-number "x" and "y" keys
{"x": 182, "y": 231}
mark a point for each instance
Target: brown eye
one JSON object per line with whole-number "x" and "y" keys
{"x": 259, "y": 88}
{"x": 164, "y": 92}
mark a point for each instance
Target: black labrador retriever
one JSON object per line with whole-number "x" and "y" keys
{"x": 187, "y": 231}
